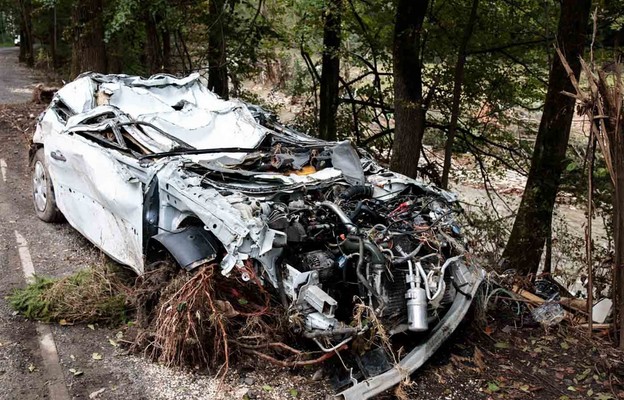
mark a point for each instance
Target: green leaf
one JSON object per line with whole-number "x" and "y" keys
{"x": 294, "y": 393}
{"x": 267, "y": 388}
{"x": 502, "y": 345}
{"x": 493, "y": 387}
{"x": 572, "y": 166}
{"x": 242, "y": 301}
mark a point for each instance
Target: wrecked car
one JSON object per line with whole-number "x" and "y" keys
{"x": 162, "y": 163}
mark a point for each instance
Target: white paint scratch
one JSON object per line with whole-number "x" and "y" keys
{"x": 56, "y": 382}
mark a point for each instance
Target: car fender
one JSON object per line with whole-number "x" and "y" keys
{"x": 190, "y": 247}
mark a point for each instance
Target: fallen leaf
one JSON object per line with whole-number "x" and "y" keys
{"x": 564, "y": 345}
{"x": 493, "y": 387}
{"x": 96, "y": 356}
{"x": 76, "y": 372}
{"x": 113, "y": 343}
{"x": 91, "y": 326}
{"x": 478, "y": 359}
{"x": 267, "y": 388}
{"x": 32, "y": 367}
{"x": 502, "y": 345}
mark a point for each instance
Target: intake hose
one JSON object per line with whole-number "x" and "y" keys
{"x": 357, "y": 192}
{"x": 351, "y": 227}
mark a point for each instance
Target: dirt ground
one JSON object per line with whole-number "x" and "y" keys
{"x": 506, "y": 356}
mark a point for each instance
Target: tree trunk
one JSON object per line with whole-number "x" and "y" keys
{"x": 52, "y": 38}
{"x": 532, "y": 225}
{"x": 152, "y": 44}
{"x": 27, "y": 53}
{"x": 166, "y": 50}
{"x": 457, "y": 91}
{"x": 618, "y": 230}
{"x": 217, "y": 50}
{"x": 88, "y": 48}
{"x": 409, "y": 111}
{"x": 331, "y": 70}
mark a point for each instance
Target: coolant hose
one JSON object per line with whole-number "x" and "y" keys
{"x": 357, "y": 244}
{"x": 357, "y": 192}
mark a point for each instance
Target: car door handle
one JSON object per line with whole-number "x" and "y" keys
{"x": 58, "y": 156}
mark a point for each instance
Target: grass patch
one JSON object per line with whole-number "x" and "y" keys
{"x": 91, "y": 295}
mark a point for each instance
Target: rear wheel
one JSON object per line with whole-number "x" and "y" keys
{"x": 43, "y": 191}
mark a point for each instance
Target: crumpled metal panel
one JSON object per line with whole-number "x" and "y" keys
{"x": 184, "y": 108}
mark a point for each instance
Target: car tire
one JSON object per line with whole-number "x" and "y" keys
{"x": 43, "y": 191}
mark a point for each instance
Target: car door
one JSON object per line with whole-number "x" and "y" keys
{"x": 99, "y": 194}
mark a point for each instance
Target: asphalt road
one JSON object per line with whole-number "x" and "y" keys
{"x": 16, "y": 81}
{"x": 55, "y": 250}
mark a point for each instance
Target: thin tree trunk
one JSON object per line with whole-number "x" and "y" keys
{"x": 166, "y": 50}
{"x": 52, "y": 38}
{"x": 532, "y": 225}
{"x": 409, "y": 111}
{"x": 457, "y": 91}
{"x": 88, "y": 47}
{"x": 331, "y": 70}
{"x": 27, "y": 53}
{"x": 152, "y": 44}
{"x": 217, "y": 50}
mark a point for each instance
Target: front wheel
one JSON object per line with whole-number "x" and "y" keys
{"x": 43, "y": 191}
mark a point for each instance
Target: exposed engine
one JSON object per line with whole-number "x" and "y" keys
{"x": 345, "y": 247}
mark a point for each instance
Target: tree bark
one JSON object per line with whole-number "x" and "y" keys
{"x": 330, "y": 71}
{"x": 166, "y": 50}
{"x": 409, "y": 111}
{"x": 27, "y": 53}
{"x": 88, "y": 47}
{"x": 152, "y": 44}
{"x": 457, "y": 91}
{"x": 217, "y": 50}
{"x": 532, "y": 225}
